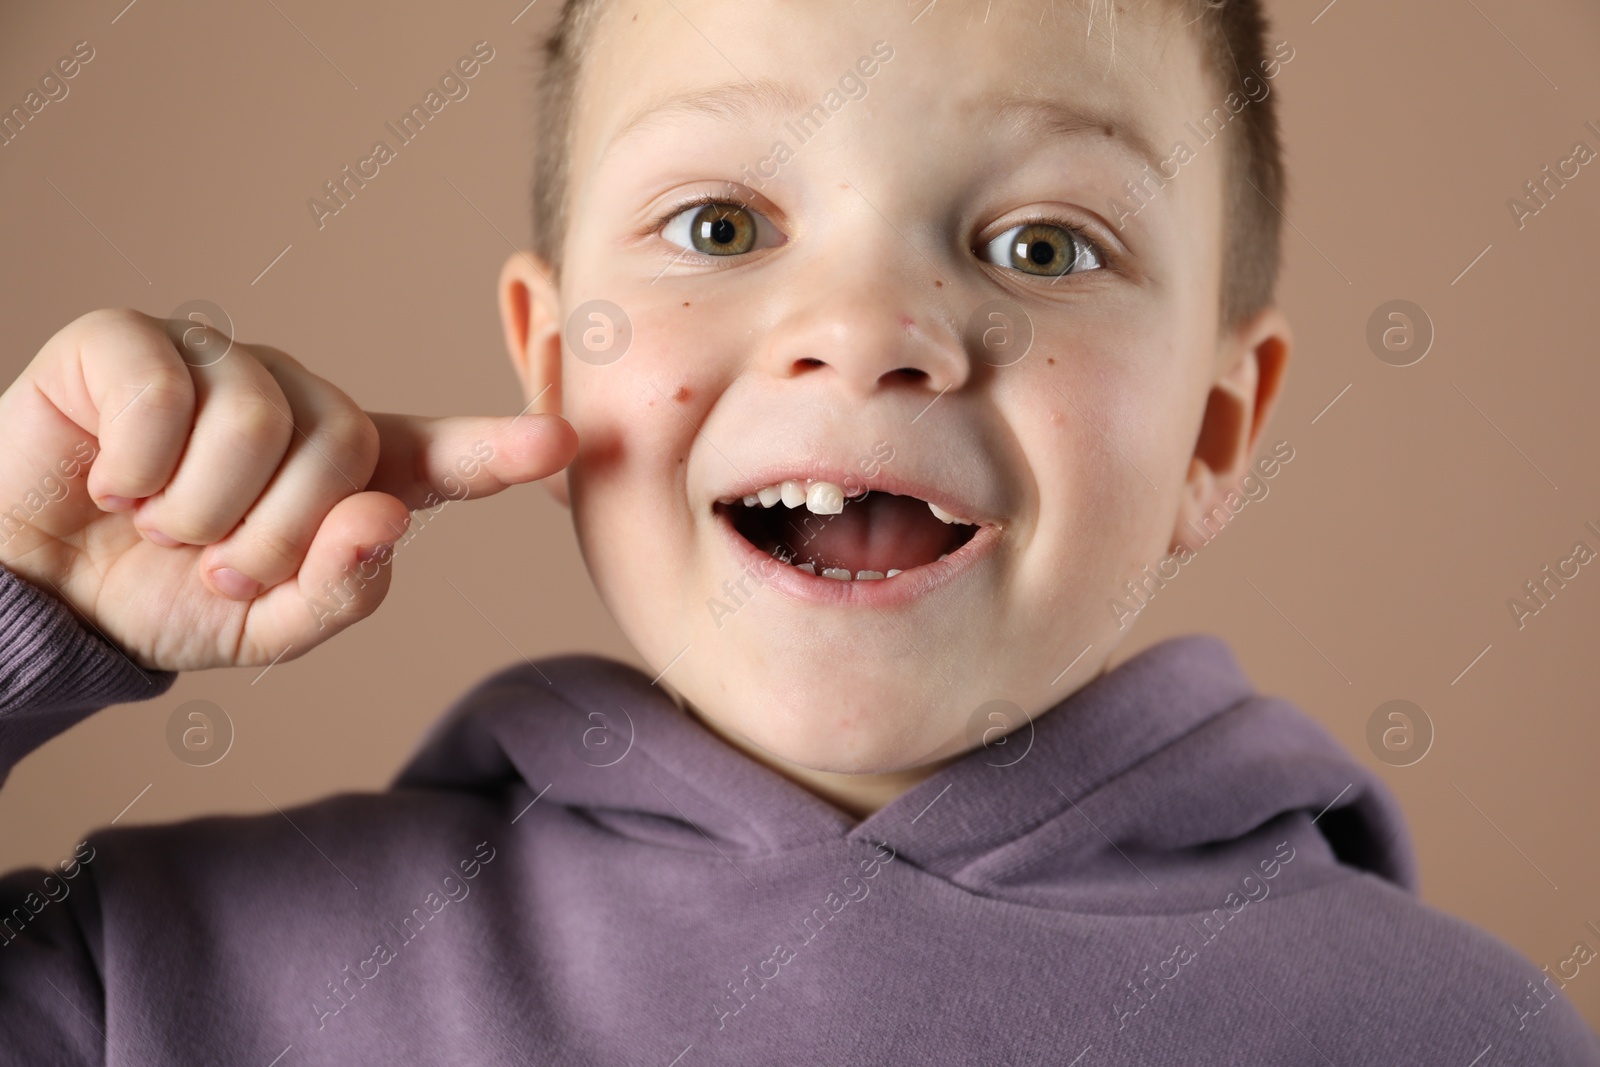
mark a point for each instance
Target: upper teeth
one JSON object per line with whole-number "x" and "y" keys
{"x": 819, "y": 498}
{"x": 824, "y": 498}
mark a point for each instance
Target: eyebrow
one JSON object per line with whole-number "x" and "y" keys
{"x": 768, "y": 99}
{"x": 732, "y": 101}
{"x": 1048, "y": 117}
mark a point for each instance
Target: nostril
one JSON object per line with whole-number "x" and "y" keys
{"x": 809, "y": 361}
{"x": 911, "y": 374}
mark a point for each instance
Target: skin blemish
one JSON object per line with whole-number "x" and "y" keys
{"x": 905, "y": 322}
{"x": 1050, "y": 360}
{"x": 681, "y": 395}
{"x": 685, "y": 303}
{"x": 938, "y": 283}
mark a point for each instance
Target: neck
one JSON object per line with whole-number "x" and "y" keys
{"x": 859, "y": 795}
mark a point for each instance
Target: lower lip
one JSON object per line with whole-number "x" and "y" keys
{"x": 902, "y": 589}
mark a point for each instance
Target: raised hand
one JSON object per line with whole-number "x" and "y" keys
{"x": 212, "y": 512}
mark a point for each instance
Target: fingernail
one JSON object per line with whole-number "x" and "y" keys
{"x": 116, "y": 503}
{"x": 380, "y": 552}
{"x": 233, "y": 584}
{"x": 159, "y": 538}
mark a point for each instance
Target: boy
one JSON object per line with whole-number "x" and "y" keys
{"x": 879, "y": 347}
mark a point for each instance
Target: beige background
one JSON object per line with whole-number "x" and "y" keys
{"x": 1387, "y": 548}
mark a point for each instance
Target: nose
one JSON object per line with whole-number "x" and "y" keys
{"x": 871, "y": 318}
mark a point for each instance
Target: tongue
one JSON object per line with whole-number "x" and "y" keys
{"x": 880, "y": 532}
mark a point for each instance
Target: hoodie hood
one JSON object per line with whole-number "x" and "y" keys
{"x": 577, "y": 872}
{"x": 1155, "y": 788}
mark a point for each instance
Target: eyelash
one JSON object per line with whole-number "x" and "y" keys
{"x": 1078, "y": 233}
{"x": 697, "y": 200}
{"x": 1108, "y": 260}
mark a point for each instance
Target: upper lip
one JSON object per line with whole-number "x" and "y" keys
{"x": 853, "y": 481}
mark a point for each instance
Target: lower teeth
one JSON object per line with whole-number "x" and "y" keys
{"x": 841, "y": 574}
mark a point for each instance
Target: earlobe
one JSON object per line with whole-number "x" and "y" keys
{"x": 1240, "y": 403}
{"x": 530, "y": 315}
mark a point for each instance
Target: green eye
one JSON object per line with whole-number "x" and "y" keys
{"x": 1044, "y": 249}
{"x": 717, "y": 229}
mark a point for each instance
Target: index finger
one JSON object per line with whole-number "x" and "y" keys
{"x": 423, "y": 460}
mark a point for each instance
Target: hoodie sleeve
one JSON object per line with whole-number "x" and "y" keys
{"x": 54, "y": 672}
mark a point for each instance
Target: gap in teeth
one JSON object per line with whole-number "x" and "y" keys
{"x": 842, "y": 574}
{"x": 825, "y": 498}
{"x": 839, "y": 574}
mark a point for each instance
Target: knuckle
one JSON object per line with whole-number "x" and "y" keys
{"x": 126, "y": 461}
{"x": 127, "y": 349}
{"x": 192, "y": 529}
{"x": 350, "y": 440}
{"x": 169, "y": 397}
{"x": 115, "y": 320}
{"x": 126, "y": 335}
{"x": 256, "y": 423}
{"x": 269, "y": 554}
{"x": 267, "y": 355}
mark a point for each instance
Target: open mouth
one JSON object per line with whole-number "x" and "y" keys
{"x": 812, "y": 526}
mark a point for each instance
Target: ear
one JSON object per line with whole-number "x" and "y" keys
{"x": 530, "y": 313}
{"x": 1251, "y": 363}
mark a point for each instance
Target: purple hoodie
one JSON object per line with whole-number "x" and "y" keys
{"x": 1165, "y": 869}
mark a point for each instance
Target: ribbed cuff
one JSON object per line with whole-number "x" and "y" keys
{"x": 52, "y": 665}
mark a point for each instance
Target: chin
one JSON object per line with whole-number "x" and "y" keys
{"x": 851, "y": 725}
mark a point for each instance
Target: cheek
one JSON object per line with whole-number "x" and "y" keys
{"x": 644, "y": 411}
{"x": 636, "y": 417}
{"x": 1108, "y": 429}
{"x": 637, "y": 421}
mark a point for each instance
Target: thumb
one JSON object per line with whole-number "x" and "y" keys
{"x": 465, "y": 457}
{"x": 343, "y": 578}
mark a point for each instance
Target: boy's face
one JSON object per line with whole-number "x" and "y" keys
{"x": 831, "y": 329}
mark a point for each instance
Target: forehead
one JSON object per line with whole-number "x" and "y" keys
{"x": 978, "y": 68}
